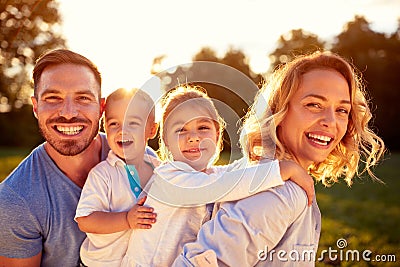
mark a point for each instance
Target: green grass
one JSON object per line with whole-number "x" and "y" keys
{"x": 9, "y": 159}
{"x": 367, "y": 215}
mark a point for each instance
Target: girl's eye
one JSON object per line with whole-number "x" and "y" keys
{"x": 204, "y": 128}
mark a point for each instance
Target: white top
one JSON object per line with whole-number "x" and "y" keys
{"x": 252, "y": 231}
{"x": 179, "y": 195}
{"x": 107, "y": 189}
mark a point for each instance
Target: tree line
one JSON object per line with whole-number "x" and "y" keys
{"x": 30, "y": 27}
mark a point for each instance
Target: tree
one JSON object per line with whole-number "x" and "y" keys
{"x": 28, "y": 28}
{"x": 296, "y": 42}
{"x": 377, "y": 56}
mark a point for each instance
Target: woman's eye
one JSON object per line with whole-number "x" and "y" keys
{"x": 133, "y": 123}
{"x": 313, "y": 105}
{"x": 180, "y": 130}
{"x": 343, "y": 110}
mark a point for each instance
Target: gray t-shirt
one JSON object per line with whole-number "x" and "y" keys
{"x": 37, "y": 209}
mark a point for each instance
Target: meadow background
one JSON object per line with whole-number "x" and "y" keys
{"x": 367, "y": 215}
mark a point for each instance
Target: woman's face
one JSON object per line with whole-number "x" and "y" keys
{"x": 317, "y": 117}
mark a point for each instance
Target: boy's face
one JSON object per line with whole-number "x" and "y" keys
{"x": 128, "y": 130}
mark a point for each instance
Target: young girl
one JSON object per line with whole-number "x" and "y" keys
{"x": 190, "y": 141}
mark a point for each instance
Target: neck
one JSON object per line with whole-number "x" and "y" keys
{"x": 144, "y": 170}
{"x": 77, "y": 167}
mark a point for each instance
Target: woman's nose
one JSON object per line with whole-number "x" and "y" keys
{"x": 329, "y": 118}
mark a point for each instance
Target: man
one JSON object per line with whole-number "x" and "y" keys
{"x": 39, "y": 198}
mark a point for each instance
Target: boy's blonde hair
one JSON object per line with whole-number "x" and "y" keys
{"x": 197, "y": 96}
{"x": 271, "y": 106}
{"x": 123, "y": 93}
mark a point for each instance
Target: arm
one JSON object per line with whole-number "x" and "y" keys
{"x": 20, "y": 238}
{"x": 98, "y": 222}
{"x": 184, "y": 187}
{"x": 240, "y": 229}
{"x": 25, "y": 262}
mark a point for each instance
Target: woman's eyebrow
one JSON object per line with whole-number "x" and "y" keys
{"x": 344, "y": 101}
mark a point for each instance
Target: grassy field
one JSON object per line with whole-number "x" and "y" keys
{"x": 366, "y": 216}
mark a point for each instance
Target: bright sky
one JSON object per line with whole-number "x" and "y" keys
{"x": 124, "y": 36}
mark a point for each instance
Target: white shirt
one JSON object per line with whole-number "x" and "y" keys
{"x": 107, "y": 189}
{"x": 272, "y": 228}
{"x": 179, "y": 195}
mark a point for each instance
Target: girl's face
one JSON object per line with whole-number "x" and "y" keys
{"x": 191, "y": 136}
{"x": 317, "y": 117}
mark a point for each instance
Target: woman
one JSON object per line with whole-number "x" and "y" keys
{"x": 318, "y": 118}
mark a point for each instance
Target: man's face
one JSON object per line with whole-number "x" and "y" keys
{"x": 68, "y": 107}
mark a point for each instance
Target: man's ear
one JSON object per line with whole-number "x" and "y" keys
{"x": 102, "y": 105}
{"x": 34, "y": 106}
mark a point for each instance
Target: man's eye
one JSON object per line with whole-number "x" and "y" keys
{"x": 204, "y": 128}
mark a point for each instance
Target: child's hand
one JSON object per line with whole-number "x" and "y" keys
{"x": 141, "y": 217}
{"x": 293, "y": 171}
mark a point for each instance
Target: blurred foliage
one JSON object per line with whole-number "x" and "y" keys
{"x": 377, "y": 57}
{"x": 28, "y": 28}
{"x": 292, "y": 44}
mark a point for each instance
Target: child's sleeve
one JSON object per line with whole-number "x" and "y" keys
{"x": 94, "y": 196}
{"x": 249, "y": 180}
{"x": 193, "y": 189}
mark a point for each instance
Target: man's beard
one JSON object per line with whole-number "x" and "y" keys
{"x": 69, "y": 147}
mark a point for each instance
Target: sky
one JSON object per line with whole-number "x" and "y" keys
{"x": 122, "y": 37}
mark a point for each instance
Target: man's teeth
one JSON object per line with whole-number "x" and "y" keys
{"x": 69, "y": 130}
{"x": 320, "y": 139}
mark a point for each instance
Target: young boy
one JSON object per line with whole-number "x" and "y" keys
{"x": 106, "y": 210}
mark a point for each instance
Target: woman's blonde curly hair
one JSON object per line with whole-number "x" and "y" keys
{"x": 259, "y": 132}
